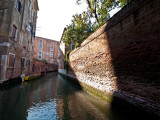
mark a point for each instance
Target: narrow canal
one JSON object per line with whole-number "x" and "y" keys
{"x": 50, "y": 98}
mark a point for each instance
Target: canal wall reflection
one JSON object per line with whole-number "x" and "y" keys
{"x": 49, "y": 98}
{"x": 74, "y": 103}
{"x": 54, "y": 97}
{"x": 17, "y": 99}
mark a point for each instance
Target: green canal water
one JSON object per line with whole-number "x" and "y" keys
{"x": 52, "y": 98}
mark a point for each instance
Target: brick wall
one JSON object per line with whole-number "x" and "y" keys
{"x": 62, "y": 54}
{"x": 21, "y": 47}
{"x": 5, "y": 16}
{"x": 61, "y": 59}
{"x": 122, "y": 56}
{"x": 19, "y": 52}
{"x": 46, "y": 49}
{"x": 39, "y": 66}
{"x": 3, "y": 49}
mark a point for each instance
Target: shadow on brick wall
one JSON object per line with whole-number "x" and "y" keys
{"x": 134, "y": 45}
{"x": 131, "y": 39}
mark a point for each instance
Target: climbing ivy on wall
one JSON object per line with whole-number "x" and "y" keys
{"x": 67, "y": 61}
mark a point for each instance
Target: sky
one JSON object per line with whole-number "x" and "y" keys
{"x": 54, "y": 15}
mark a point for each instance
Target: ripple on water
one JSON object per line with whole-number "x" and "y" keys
{"x": 43, "y": 111}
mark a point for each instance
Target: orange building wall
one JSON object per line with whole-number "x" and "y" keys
{"x": 46, "y": 48}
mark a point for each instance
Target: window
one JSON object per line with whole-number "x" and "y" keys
{"x": 51, "y": 54}
{"x": 26, "y": 62}
{"x": 31, "y": 62}
{"x": 51, "y": 48}
{"x": 11, "y": 60}
{"x": 23, "y": 61}
{"x": 40, "y": 56}
{"x": 40, "y": 41}
{"x": 72, "y": 46}
{"x": 14, "y": 32}
{"x": 30, "y": 27}
{"x": 52, "y": 43}
{"x": 40, "y": 46}
{"x": 19, "y": 6}
{"x": 32, "y": 49}
{"x": 47, "y": 54}
{"x": 29, "y": 4}
{"x": 28, "y": 46}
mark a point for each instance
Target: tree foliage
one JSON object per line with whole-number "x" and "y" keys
{"x": 83, "y": 25}
{"x": 79, "y": 29}
{"x": 100, "y": 9}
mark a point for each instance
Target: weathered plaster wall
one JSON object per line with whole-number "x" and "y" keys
{"x": 17, "y": 70}
{"x": 22, "y": 47}
{"x": 5, "y": 16}
{"x": 122, "y": 56}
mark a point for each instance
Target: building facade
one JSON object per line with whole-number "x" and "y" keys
{"x": 17, "y": 34}
{"x": 61, "y": 55}
{"x": 62, "y": 51}
{"x": 46, "y": 50}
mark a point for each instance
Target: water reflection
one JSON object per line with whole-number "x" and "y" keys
{"x": 43, "y": 111}
{"x": 49, "y": 98}
{"x": 52, "y": 97}
{"x": 30, "y": 100}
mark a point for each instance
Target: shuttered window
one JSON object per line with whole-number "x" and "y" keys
{"x": 19, "y": 6}
{"x": 11, "y": 60}
{"x": 14, "y": 32}
{"x": 23, "y": 62}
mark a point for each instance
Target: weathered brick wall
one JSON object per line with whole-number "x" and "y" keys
{"x": 5, "y": 16}
{"x": 39, "y": 66}
{"x": 46, "y": 49}
{"x": 61, "y": 59}
{"x": 52, "y": 67}
{"x": 20, "y": 47}
{"x": 3, "y": 49}
{"x": 19, "y": 52}
{"x": 122, "y": 56}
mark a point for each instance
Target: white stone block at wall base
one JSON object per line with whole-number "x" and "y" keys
{"x": 5, "y": 44}
{"x": 62, "y": 71}
{"x": 103, "y": 84}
